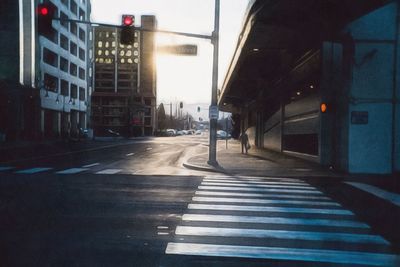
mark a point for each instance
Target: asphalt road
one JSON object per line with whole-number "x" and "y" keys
{"x": 131, "y": 203}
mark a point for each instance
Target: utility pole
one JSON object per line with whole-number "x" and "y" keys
{"x": 212, "y": 154}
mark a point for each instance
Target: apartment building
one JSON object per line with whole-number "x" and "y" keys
{"x": 45, "y": 81}
{"x": 124, "y": 97}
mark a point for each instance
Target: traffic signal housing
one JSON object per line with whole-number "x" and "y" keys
{"x": 45, "y": 14}
{"x": 198, "y": 109}
{"x": 128, "y": 30}
{"x": 181, "y": 104}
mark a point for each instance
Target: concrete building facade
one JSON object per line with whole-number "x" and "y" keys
{"x": 124, "y": 97}
{"x": 50, "y": 73}
{"x": 324, "y": 84}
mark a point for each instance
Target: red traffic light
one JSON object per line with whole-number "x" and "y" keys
{"x": 43, "y": 11}
{"x": 128, "y": 20}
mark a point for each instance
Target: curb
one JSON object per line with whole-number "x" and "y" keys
{"x": 201, "y": 168}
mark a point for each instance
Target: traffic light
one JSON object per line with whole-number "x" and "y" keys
{"x": 128, "y": 30}
{"x": 198, "y": 109}
{"x": 45, "y": 15}
{"x": 181, "y": 104}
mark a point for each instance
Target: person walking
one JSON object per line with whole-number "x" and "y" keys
{"x": 244, "y": 139}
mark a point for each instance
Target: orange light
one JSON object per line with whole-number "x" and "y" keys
{"x": 323, "y": 107}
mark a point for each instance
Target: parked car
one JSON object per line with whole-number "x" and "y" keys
{"x": 198, "y": 132}
{"x": 171, "y": 132}
{"x": 223, "y": 135}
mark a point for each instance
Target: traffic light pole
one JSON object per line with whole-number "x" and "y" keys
{"x": 212, "y": 159}
{"x": 212, "y": 154}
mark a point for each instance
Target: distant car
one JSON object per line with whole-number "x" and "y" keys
{"x": 198, "y": 132}
{"x": 179, "y": 133}
{"x": 171, "y": 132}
{"x": 185, "y": 132}
{"x": 223, "y": 135}
{"x": 190, "y": 132}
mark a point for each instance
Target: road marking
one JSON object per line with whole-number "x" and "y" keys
{"x": 6, "y": 168}
{"x": 234, "y": 194}
{"x": 269, "y": 209}
{"x": 277, "y": 253}
{"x": 260, "y": 185}
{"x": 228, "y": 188}
{"x": 91, "y": 165}
{"x": 253, "y": 182}
{"x": 392, "y": 197}
{"x": 130, "y": 154}
{"x": 273, "y": 220}
{"x": 109, "y": 171}
{"x": 280, "y": 234}
{"x": 72, "y": 171}
{"x": 149, "y": 148}
{"x": 264, "y": 201}
{"x": 253, "y": 178}
{"x": 33, "y": 170}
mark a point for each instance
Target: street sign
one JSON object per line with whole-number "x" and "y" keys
{"x": 184, "y": 50}
{"x": 214, "y": 112}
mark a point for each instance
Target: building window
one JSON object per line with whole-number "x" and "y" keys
{"x": 82, "y": 15}
{"x": 82, "y": 94}
{"x": 73, "y": 28}
{"x": 64, "y": 87}
{"x": 82, "y": 74}
{"x": 64, "y": 23}
{"x": 74, "y": 7}
{"x": 73, "y": 48}
{"x": 82, "y": 35}
{"x": 63, "y": 64}
{"x": 147, "y": 102}
{"x": 82, "y": 54}
{"x": 65, "y": 2}
{"x": 50, "y": 82}
{"x": 73, "y": 69}
{"x": 74, "y": 91}
{"x": 50, "y": 57}
{"x": 64, "y": 42}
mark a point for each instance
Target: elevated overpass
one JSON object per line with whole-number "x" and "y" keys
{"x": 294, "y": 56}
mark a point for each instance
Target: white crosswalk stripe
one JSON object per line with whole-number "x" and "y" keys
{"x": 275, "y": 219}
{"x": 72, "y": 171}
{"x": 33, "y": 170}
{"x": 109, "y": 171}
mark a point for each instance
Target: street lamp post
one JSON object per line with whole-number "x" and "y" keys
{"x": 212, "y": 154}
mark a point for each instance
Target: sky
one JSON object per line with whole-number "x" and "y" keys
{"x": 183, "y": 78}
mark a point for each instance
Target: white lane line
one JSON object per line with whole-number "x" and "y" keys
{"x": 277, "y": 253}
{"x": 392, "y": 197}
{"x": 72, "y": 171}
{"x": 253, "y": 182}
{"x": 91, "y": 165}
{"x": 130, "y": 154}
{"x": 109, "y": 171}
{"x": 273, "y": 220}
{"x": 235, "y": 194}
{"x": 33, "y": 170}
{"x": 280, "y": 234}
{"x": 149, "y": 148}
{"x": 260, "y": 185}
{"x": 265, "y": 201}
{"x": 230, "y": 188}
{"x": 248, "y": 178}
{"x": 269, "y": 209}
{"x": 6, "y": 168}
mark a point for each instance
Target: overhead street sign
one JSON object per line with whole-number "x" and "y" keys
{"x": 183, "y": 50}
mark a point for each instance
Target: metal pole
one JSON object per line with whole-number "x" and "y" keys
{"x": 212, "y": 155}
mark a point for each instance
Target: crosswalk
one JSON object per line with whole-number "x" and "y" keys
{"x": 74, "y": 170}
{"x": 278, "y": 219}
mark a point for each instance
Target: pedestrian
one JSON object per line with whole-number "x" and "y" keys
{"x": 244, "y": 139}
